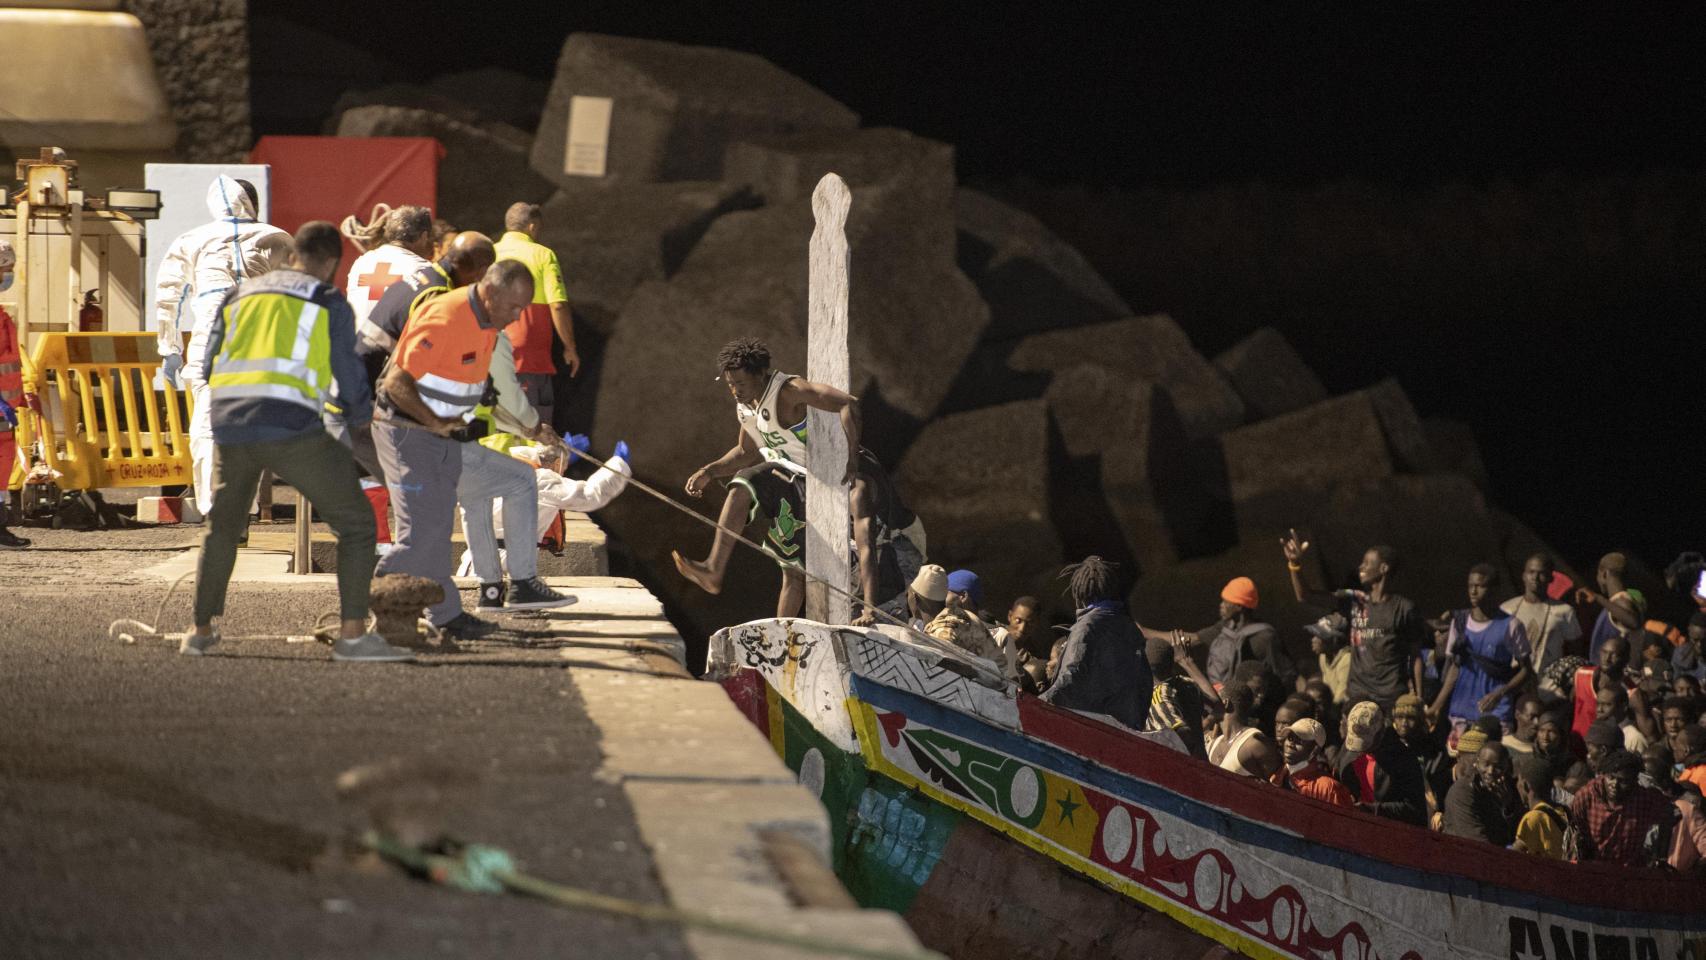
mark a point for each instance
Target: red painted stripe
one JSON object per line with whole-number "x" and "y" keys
{"x": 746, "y": 689}
{"x": 1361, "y": 833}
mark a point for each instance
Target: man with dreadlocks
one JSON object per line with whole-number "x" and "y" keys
{"x": 1103, "y": 664}
{"x": 766, "y": 473}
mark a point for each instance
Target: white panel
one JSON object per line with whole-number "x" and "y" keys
{"x": 183, "y": 207}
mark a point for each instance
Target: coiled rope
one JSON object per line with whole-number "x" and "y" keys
{"x": 370, "y": 235}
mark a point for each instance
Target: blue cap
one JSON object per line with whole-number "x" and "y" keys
{"x": 966, "y": 582}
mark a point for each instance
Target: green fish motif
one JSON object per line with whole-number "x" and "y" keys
{"x": 783, "y": 528}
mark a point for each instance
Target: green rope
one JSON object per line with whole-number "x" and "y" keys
{"x": 483, "y": 869}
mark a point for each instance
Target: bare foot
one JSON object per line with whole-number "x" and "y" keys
{"x": 697, "y": 572}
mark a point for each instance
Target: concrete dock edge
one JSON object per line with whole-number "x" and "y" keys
{"x": 706, "y": 790}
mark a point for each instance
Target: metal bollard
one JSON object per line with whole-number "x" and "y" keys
{"x": 303, "y": 562}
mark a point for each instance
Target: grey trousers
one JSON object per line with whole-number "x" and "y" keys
{"x": 486, "y": 476}
{"x": 323, "y": 471}
{"x": 422, "y": 470}
{"x": 360, "y": 443}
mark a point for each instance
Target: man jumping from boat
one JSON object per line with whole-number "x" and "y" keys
{"x": 766, "y": 474}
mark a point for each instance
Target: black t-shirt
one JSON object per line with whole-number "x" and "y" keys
{"x": 1384, "y": 638}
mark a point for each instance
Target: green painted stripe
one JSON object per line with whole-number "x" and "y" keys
{"x": 885, "y": 839}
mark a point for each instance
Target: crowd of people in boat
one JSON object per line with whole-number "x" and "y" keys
{"x": 1514, "y": 721}
{"x": 1562, "y": 722}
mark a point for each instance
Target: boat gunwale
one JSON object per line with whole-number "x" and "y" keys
{"x": 1588, "y": 885}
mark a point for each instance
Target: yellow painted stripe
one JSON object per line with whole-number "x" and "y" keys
{"x": 869, "y": 730}
{"x": 773, "y": 711}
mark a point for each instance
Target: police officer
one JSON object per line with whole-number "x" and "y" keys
{"x": 275, "y": 348}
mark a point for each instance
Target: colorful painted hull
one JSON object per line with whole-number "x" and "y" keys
{"x": 911, "y": 743}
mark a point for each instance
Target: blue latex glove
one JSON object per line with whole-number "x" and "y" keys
{"x": 8, "y": 414}
{"x": 171, "y": 366}
{"x": 622, "y": 451}
{"x": 576, "y": 441}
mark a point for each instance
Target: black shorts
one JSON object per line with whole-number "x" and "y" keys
{"x": 779, "y": 495}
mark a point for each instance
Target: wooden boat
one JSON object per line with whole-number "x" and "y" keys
{"x": 999, "y": 825}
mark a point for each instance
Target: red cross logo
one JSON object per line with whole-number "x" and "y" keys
{"x": 378, "y": 280}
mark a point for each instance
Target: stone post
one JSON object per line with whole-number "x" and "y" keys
{"x": 828, "y": 525}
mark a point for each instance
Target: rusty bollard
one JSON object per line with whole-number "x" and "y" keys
{"x": 398, "y": 601}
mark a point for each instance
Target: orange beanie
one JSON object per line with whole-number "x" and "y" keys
{"x": 1240, "y": 590}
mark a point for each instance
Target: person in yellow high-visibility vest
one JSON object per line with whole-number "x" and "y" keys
{"x": 278, "y": 344}
{"x": 549, "y": 312}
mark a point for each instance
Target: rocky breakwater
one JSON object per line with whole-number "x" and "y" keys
{"x": 1027, "y": 412}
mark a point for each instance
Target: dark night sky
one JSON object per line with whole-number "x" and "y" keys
{"x": 1405, "y": 98}
{"x": 1297, "y": 92}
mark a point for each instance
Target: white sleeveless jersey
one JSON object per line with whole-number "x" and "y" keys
{"x": 374, "y": 271}
{"x": 778, "y": 442}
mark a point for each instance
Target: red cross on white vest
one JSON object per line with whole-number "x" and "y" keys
{"x": 376, "y": 282}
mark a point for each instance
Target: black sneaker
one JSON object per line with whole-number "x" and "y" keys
{"x": 465, "y": 626}
{"x": 492, "y": 596}
{"x": 535, "y": 595}
{"x": 10, "y": 539}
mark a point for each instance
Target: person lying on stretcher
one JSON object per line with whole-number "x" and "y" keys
{"x": 558, "y": 493}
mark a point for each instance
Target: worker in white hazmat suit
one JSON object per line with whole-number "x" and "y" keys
{"x": 557, "y": 493}
{"x": 200, "y": 268}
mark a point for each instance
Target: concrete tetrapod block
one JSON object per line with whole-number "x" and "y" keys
{"x": 612, "y": 240}
{"x": 1152, "y": 348}
{"x": 495, "y": 92}
{"x": 1281, "y": 469}
{"x": 1269, "y": 375}
{"x": 981, "y": 482}
{"x": 415, "y": 97}
{"x": 1032, "y": 280}
{"x": 1455, "y": 450}
{"x": 676, "y": 108}
{"x": 783, "y": 169}
{"x": 987, "y": 464}
{"x": 1152, "y": 489}
{"x": 484, "y": 169}
{"x": 1405, "y": 436}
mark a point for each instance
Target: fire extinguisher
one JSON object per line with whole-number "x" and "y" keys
{"x": 89, "y": 318}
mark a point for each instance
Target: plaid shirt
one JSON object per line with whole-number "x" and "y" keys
{"x": 1635, "y": 834}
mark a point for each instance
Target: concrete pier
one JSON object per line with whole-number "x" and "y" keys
{"x": 155, "y": 804}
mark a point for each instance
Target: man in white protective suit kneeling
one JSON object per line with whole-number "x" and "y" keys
{"x": 557, "y": 493}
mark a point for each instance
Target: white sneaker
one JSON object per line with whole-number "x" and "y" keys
{"x": 369, "y": 648}
{"x": 194, "y": 644}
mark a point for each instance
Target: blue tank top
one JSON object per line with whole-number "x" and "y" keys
{"x": 1483, "y": 665}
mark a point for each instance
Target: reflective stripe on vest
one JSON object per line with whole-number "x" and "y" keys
{"x": 277, "y": 347}
{"x": 446, "y": 397}
{"x": 375, "y": 334}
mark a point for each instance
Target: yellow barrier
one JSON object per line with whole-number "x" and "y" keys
{"x": 101, "y": 422}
